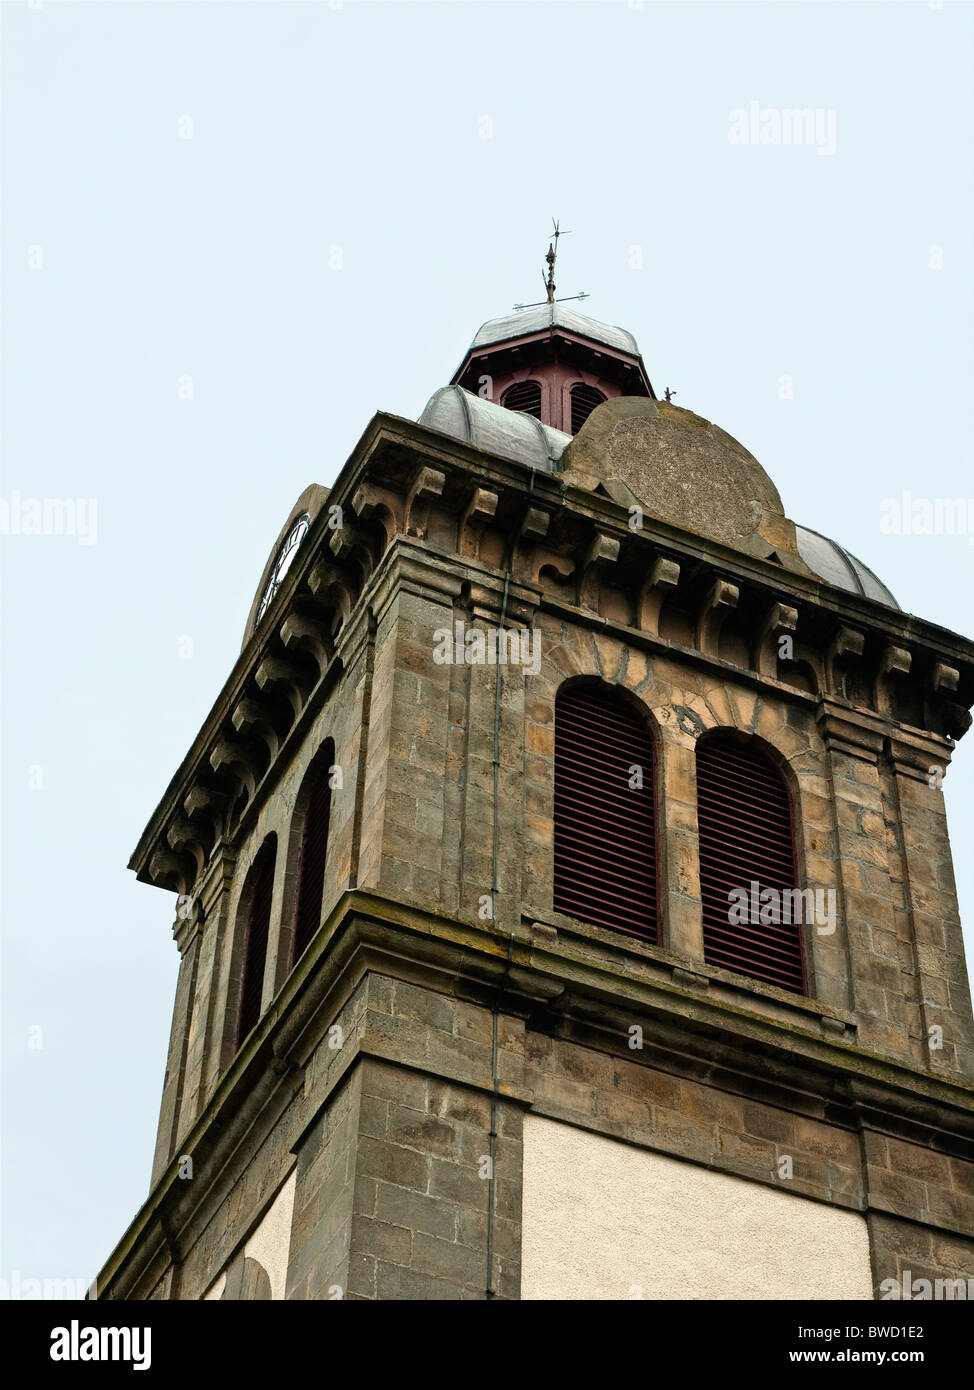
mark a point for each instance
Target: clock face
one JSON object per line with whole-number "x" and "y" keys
{"x": 285, "y": 558}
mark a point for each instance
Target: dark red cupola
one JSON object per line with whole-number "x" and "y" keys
{"x": 552, "y": 363}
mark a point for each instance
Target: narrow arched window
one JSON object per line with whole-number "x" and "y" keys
{"x": 752, "y": 914}
{"x": 524, "y": 396}
{"x": 314, "y": 847}
{"x": 584, "y": 401}
{"x": 605, "y": 832}
{"x": 258, "y": 895}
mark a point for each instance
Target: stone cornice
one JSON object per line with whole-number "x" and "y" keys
{"x": 409, "y": 488}
{"x": 691, "y": 1034}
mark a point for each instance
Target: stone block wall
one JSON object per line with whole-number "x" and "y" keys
{"x": 895, "y": 959}
{"x": 385, "y": 1138}
{"x": 414, "y": 818}
{"x": 212, "y": 938}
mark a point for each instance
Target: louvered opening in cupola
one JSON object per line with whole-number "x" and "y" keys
{"x": 524, "y": 396}
{"x": 584, "y": 400}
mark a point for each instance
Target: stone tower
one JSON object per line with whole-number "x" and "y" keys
{"x": 485, "y": 989}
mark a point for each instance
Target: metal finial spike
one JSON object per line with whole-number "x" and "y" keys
{"x": 550, "y": 258}
{"x": 549, "y": 280}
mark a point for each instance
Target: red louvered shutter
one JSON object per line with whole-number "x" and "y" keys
{"x": 605, "y": 832}
{"x": 584, "y": 401}
{"x": 258, "y": 930}
{"x": 744, "y": 813}
{"x": 314, "y": 845}
{"x": 524, "y": 396}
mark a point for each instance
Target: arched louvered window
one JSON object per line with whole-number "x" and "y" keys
{"x": 584, "y": 401}
{"x": 605, "y": 832}
{"x": 524, "y": 396}
{"x": 746, "y": 847}
{"x": 314, "y": 847}
{"x": 260, "y": 892}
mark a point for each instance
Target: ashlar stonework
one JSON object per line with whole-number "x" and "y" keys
{"x": 443, "y": 1003}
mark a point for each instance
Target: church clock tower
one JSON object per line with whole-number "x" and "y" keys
{"x": 561, "y": 881}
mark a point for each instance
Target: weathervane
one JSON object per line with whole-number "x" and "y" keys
{"x": 549, "y": 281}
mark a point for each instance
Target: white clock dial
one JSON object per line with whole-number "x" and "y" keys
{"x": 285, "y": 558}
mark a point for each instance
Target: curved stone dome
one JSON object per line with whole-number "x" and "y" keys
{"x": 513, "y": 435}
{"x": 508, "y": 433}
{"x": 544, "y": 316}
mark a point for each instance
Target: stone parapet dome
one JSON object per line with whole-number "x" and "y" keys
{"x": 676, "y": 465}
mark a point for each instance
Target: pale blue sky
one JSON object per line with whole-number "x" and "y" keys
{"x": 361, "y": 127}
